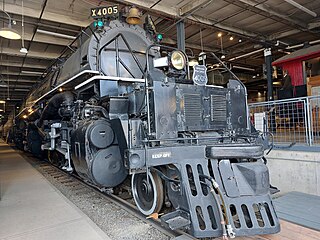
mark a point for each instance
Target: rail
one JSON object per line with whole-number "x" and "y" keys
{"x": 291, "y": 121}
{"x": 70, "y": 183}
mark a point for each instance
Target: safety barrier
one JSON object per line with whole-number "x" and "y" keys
{"x": 294, "y": 121}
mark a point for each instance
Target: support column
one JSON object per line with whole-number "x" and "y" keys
{"x": 181, "y": 38}
{"x": 272, "y": 117}
{"x": 268, "y": 60}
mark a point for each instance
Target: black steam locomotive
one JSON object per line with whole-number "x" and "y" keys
{"x": 118, "y": 109}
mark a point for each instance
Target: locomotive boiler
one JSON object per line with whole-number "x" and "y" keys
{"x": 120, "y": 109}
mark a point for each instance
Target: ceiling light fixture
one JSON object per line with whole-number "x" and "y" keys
{"x": 8, "y": 90}
{"x": 9, "y": 32}
{"x": 4, "y": 106}
{"x": 192, "y": 60}
{"x": 20, "y": 90}
{"x": 240, "y": 40}
{"x": 231, "y": 38}
{"x": 3, "y": 84}
{"x": 247, "y": 54}
{"x": 202, "y": 54}
{"x": 56, "y": 34}
{"x": 222, "y": 52}
{"x": 23, "y": 49}
{"x": 244, "y": 68}
{"x": 220, "y": 34}
{"x": 31, "y": 72}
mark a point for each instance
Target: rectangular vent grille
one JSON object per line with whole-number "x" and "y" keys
{"x": 218, "y": 109}
{"x": 192, "y": 109}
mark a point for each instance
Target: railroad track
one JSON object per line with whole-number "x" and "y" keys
{"x": 79, "y": 191}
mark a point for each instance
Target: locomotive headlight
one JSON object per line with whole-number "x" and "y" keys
{"x": 178, "y": 60}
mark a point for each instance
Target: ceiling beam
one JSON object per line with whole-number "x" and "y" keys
{"x": 226, "y": 27}
{"x": 49, "y": 24}
{"x": 270, "y": 11}
{"x": 76, "y": 20}
{"x": 14, "y": 73}
{"x": 283, "y": 34}
{"x": 31, "y": 53}
{"x": 288, "y": 33}
{"x": 192, "y": 6}
{"x": 23, "y": 79}
{"x": 162, "y": 10}
{"x": 18, "y": 86}
{"x": 10, "y": 63}
{"x": 170, "y": 41}
{"x": 44, "y": 38}
{"x": 313, "y": 25}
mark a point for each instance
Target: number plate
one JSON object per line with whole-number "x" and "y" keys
{"x": 105, "y": 12}
{"x": 200, "y": 75}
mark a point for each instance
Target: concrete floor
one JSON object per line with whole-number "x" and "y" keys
{"x": 31, "y": 208}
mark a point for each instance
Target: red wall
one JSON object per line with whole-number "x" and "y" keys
{"x": 295, "y": 71}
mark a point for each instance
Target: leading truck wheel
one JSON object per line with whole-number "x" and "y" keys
{"x": 147, "y": 193}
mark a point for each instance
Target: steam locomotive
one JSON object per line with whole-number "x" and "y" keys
{"x": 124, "y": 108}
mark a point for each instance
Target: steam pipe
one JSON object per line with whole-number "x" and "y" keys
{"x": 99, "y": 109}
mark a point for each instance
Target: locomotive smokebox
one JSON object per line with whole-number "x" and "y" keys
{"x": 96, "y": 153}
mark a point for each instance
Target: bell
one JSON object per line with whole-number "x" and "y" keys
{"x": 133, "y": 16}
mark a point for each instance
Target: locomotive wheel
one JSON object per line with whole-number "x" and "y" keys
{"x": 148, "y": 195}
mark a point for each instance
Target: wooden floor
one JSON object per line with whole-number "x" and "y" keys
{"x": 289, "y": 231}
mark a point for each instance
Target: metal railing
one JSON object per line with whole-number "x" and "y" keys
{"x": 293, "y": 121}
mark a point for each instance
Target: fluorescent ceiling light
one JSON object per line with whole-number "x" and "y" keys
{"x": 302, "y": 8}
{"x": 2, "y": 101}
{"x": 21, "y": 90}
{"x": 31, "y": 72}
{"x": 247, "y": 54}
{"x": 56, "y": 34}
{"x": 244, "y": 68}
